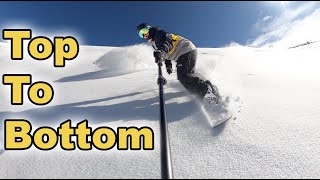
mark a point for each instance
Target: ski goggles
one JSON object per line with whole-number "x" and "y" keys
{"x": 143, "y": 32}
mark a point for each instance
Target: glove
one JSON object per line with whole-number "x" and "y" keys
{"x": 159, "y": 56}
{"x": 168, "y": 66}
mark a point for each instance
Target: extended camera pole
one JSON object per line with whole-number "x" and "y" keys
{"x": 166, "y": 164}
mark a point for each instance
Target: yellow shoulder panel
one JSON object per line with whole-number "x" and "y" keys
{"x": 175, "y": 39}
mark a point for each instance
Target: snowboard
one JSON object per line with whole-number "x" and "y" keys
{"x": 216, "y": 114}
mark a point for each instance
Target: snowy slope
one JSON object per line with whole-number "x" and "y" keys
{"x": 274, "y": 94}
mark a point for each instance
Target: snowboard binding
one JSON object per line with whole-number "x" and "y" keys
{"x": 212, "y": 95}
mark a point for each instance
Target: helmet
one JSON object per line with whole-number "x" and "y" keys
{"x": 142, "y": 29}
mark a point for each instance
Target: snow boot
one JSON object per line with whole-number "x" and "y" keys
{"x": 212, "y": 95}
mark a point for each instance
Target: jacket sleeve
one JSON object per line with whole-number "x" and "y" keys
{"x": 162, "y": 42}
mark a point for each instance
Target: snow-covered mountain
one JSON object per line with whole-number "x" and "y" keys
{"x": 273, "y": 93}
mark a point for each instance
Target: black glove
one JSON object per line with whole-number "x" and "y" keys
{"x": 159, "y": 56}
{"x": 168, "y": 66}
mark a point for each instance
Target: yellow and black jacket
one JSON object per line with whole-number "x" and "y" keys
{"x": 172, "y": 45}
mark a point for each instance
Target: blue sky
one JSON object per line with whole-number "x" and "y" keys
{"x": 207, "y": 24}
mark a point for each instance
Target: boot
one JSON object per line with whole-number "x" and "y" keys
{"x": 212, "y": 94}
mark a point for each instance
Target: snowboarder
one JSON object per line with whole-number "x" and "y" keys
{"x": 169, "y": 47}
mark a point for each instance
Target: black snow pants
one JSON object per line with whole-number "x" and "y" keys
{"x": 193, "y": 82}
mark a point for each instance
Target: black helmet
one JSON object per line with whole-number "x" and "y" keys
{"x": 143, "y": 25}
